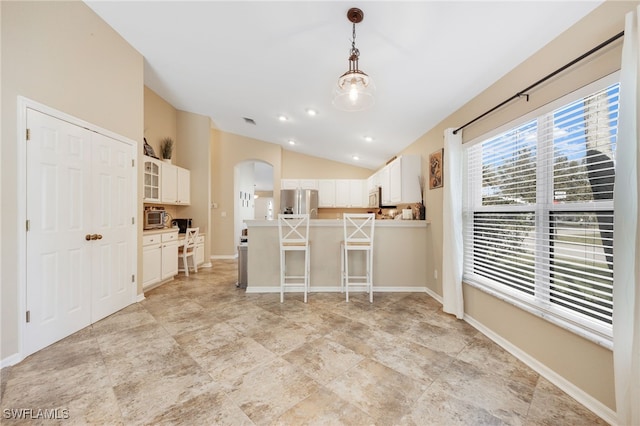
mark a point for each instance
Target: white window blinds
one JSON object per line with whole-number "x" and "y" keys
{"x": 538, "y": 212}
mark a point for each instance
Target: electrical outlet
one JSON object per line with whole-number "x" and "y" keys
{"x": 435, "y": 274}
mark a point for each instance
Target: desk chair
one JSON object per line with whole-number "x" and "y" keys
{"x": 293, "y": 230}
{"x": 358, "y": 236}
{"x": 188, "y": 250}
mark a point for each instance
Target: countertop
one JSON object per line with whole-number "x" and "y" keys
{"x": 159, "y": 231}
{"x": 387, "y": 223}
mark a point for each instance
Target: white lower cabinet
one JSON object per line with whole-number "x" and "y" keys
{"x": 169, "y": 255}
{"x": 159, "y": 257}
{"x": 152, "y": 264}
{"x": 200, "y": 250}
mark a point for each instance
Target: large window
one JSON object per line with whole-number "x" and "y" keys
{"x": 538, "y": 213}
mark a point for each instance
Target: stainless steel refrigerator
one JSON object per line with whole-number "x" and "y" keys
{"x": 299, "y": 201}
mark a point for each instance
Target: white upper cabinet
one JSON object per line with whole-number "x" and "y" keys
{"x": 176, "y": 185}
{"x": 184, "y": 186}
{"x": 342, "y": 193}
{"x": 351, "y": 193}
{"x": 383, "y": 182}
{"x": 309, "y": 183}
{"x": 399, "y": 181}
{"x": 326, "y": 193}
{"x": 343, "y": 198}
{"x": 372, "y": 182}
{"x": 169, "y": 183}
{"x": 404, "y": 180}
{"x": 151, "y": 180}
{"x": 289, "y": 184}
{"x": 299, "y": 183}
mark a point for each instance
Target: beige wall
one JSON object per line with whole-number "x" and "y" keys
{"x": 588, "y": 366}
{"x": 160, "y": 122}
{"x": 228, "y": 150}
{"x": 62, "y": 55}
{"x": 194, "y": 148}
{"x": 301, "y": 166}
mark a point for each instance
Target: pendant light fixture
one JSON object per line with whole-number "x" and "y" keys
{"x": 355, "y": 88}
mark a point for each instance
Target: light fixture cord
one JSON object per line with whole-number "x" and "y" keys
{"x": 355, "y": 53}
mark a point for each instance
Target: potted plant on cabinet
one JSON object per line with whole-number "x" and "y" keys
{"x": 166, "y": 149}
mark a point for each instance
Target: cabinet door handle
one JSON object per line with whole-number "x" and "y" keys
{"x": 91, "y": 237}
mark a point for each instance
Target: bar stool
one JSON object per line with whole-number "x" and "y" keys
{"x": 293, "y": 230}
{"x": 358, "y": 236}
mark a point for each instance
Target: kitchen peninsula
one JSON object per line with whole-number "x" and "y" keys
{"x": 399, "y": 259}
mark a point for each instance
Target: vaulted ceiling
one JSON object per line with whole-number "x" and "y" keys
{"x": 259, "y": 60}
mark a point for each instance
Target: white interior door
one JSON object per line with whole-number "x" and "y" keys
{"x": 58, "y": 269}
{"x": 81, "y": 243}
{"x": 112, "y": 254}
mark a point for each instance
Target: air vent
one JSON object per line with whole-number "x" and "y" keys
{"x": 249, "y": 120}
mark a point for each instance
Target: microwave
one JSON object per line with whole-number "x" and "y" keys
{"x": 154, "y": 219}
{"x": 375, "y": 197}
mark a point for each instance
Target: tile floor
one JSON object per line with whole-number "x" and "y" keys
{"x": 199, "y": 351}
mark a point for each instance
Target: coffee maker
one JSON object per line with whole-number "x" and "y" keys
{"x": 182, "y": 224}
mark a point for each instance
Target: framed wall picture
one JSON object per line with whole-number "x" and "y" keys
{"x": 436, "y": 169}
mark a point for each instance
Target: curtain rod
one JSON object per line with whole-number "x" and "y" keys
{"x": 542, "y": 80}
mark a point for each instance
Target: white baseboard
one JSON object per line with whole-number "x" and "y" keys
{"x": 223, "y": 256}
{"x": 206, "y": 265}
{"x": 433, "y": 294}
{"x": 333, "y": 289}
{"x": 140, "y": 297}
{"x": 597, "y": 407}
{"x": 10, "y": 360}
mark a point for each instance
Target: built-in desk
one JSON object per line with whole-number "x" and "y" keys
{"x": 399, "y": 257}
{"x": 160, "y": 255}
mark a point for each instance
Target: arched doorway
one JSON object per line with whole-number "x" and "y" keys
{"x": 253, "y": 193}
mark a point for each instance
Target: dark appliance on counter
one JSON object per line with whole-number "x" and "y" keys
{"x": 182, "y": 224}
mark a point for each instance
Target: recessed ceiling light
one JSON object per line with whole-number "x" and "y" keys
{"x": 282, "y": 117}
{"x": 312, "y": 112}
{"x": 292, "y": 142}
{"x": 355, "y": 157}
{"x": 368, "y": 138}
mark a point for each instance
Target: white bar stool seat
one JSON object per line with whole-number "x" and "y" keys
{"x": 293, "y": 230}
{"x": 358, "y": 236}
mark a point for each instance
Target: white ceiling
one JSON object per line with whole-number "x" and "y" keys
{"x": 229, "y": 60}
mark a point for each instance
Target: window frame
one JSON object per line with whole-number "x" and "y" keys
{"x": 539, "y": 303}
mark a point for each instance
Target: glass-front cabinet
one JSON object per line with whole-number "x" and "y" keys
{"x": 151, "y": 181}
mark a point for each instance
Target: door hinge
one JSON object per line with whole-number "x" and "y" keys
{"x": 28, "y": 316}
{"x": 28, "y": 224}
{"x": 133, "y": 220}
{"x": 28, "y": 135}
{"x": 133, "y": 278}
{"x": 133, "y": 162}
